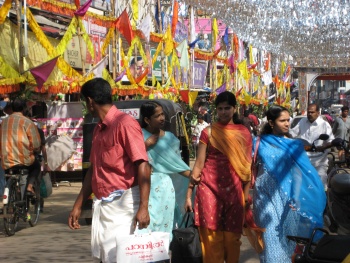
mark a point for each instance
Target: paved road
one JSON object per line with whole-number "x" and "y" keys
{"x": 52, "y": 241}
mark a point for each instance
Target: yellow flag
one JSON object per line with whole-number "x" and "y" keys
{"x": 4, "y": 9}
{"x": 215, "y": 30}
{"x": 242, "y": 67}
{"x": 192, "y": 95}
{"x": 283, "y": 67}
{"x": 135, "y": 10}
{"x": 251, "y": 59}
{"x": 168, "y": 40}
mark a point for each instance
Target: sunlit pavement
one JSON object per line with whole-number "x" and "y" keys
{"x": 52, "y": 241}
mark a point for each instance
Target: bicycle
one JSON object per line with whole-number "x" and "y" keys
{"x": 18, "y": 203}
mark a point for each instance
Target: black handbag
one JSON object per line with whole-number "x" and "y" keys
{"x": 185, "y": 246}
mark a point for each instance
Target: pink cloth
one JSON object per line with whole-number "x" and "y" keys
{"x": 219, "y": 196}
{"x": 117, "y": 144}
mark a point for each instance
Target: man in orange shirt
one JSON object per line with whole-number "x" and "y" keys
{"x": 19, "y": 141}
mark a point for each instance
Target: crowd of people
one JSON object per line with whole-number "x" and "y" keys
{"x": 139, "y": 179}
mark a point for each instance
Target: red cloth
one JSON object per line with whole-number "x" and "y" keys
{"x": 124, "y": 26}
{"x": 219, "y": 196}
{"x": 175, "y": 17}
{"x": 254, "y": 119}
{"x": 116, "y": 144}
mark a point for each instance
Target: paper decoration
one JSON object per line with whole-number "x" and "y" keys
{"x": 42, "y": 72}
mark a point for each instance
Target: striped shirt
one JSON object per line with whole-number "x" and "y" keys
{"x": 19, "y": 137}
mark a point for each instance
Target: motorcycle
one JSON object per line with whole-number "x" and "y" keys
{"x": 321, "y": 246}
{"x": 338, "y": 196}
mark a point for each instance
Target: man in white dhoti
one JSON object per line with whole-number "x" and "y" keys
{"x": 119, "y": 174}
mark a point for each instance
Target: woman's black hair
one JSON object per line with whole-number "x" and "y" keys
{"x": 230, "y": 98}
{"x": 99, "y": 90}
{"x": 272, "y": 114}
{"x": 147, "y": 110}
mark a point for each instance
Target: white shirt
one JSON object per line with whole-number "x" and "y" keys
{"x": 199, "y": 128}
{"x": 310, "y": 132}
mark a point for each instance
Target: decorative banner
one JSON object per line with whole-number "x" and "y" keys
{"x": 181, "y": 32}
{"x": 199, "y": 75}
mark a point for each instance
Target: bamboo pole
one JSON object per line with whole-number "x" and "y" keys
{"x": 81, "y": 51}
{"x": 20, "y": 39}
{"x": 114, "y": 40}
{"x": 190, "y": 70}
{"x": 162, "y": 64}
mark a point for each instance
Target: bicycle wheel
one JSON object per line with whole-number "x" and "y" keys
{"x": 33, "y": 205}
{"x": 11, "y": 216}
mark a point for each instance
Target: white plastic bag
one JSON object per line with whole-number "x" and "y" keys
{"x": 146, "y": 247}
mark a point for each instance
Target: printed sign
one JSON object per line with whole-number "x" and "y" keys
{"x": 199, "y": 74}
{"x": 157, "y": 67}
{"x": 135, "y": 113}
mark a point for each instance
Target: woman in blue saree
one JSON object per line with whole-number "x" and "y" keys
{"x": 168, "y": 188}
{"x": 288, "y": 195}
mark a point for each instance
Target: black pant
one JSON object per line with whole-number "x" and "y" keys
{"x": 34, "y": 171}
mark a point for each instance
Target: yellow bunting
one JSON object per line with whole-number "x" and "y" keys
{"x": 39, "y": 34}
{"x": 71, "y": 31}
{"x": 107, "y": 40}
{"x": 86, "y": 38}
{"x": 135, "y": 10}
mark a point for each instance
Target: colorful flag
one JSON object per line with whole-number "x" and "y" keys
{"x": 215, "y": 30}
{"x": 192, "y": 44}
{"x": 175, "y": 17}
{"x": 4, "y": 9}
{"x": 182, "y": 49}
{"x": 121, "y": 75}
{"x": 100, "y": 66}
{"x": 192, "y": 95}
{"x": 231, "y": 62}
{"x": 221, "y": 89}
{"x": 145, "y": 26}
{"x": 135, "y": 9}
{"x": 168, "y": 41}
{"x": 124, "y": 26}
{"x": 42, "y": 72}
{"x": 83, "y": 9}
{"x": 242, "y": 67}
{"x": 226, "y": 41}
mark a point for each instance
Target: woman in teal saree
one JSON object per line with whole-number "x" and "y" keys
{"x": 168, "y": 188}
